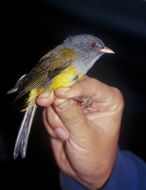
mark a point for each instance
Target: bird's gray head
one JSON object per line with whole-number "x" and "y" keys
{"x": 87, "y": 47}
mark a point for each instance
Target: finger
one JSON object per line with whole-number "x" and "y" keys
{"x": 61, "y": 157}
{"x": 47, "y": 125}
{"x": 73, "y": 119}
{"x": 54, "y": 125}
{"x": 89, "y": 87}
{"x": 45, "y": 99}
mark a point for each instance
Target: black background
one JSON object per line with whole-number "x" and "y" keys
{"x": 28, "y": 30}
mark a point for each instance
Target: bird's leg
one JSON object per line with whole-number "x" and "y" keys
{"x": 85, "y": 101}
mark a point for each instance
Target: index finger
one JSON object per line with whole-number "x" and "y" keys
{"x": 91, "y": 87}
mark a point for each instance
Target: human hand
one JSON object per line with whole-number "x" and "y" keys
{"x": 84, "y": 141}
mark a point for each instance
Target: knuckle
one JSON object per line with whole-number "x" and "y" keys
{"x": 92, "y": 80}
{"x": 118, "y": 96}
{"x": 73, "y": 116}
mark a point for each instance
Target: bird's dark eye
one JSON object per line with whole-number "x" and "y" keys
{"x": 93, "y": 44}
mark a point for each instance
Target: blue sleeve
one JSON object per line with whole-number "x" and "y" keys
{"x": 129, "y": 173}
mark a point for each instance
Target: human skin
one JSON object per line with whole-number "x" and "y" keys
{"x": 84, "y": 140}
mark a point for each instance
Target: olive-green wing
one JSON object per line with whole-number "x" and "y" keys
{"x": 47, "y": 68}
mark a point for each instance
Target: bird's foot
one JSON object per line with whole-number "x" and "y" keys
{"x": 85, "y": 101}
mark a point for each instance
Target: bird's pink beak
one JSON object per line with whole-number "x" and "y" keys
{"x": 106, "y": 50}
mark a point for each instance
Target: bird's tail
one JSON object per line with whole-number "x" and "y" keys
{"x": 23, "y": 134}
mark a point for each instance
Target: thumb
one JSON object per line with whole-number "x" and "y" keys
{"x": 72, "y": 117}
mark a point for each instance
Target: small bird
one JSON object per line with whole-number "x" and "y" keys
{"x": 61, "y": 67}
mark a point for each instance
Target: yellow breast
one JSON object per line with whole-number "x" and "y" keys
{"x": 66, "y": 78}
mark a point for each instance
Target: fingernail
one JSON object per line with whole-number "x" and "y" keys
{"x": 60, "y": 133}
{"x": 45, "y": 95}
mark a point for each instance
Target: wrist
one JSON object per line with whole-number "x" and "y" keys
{"x": 101, "y": 175}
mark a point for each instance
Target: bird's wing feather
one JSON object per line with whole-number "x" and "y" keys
{"x": 17, "y": 85}
{"x": 47, "y": 68}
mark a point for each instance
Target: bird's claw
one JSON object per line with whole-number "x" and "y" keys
{"x": 85, "y": 101}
